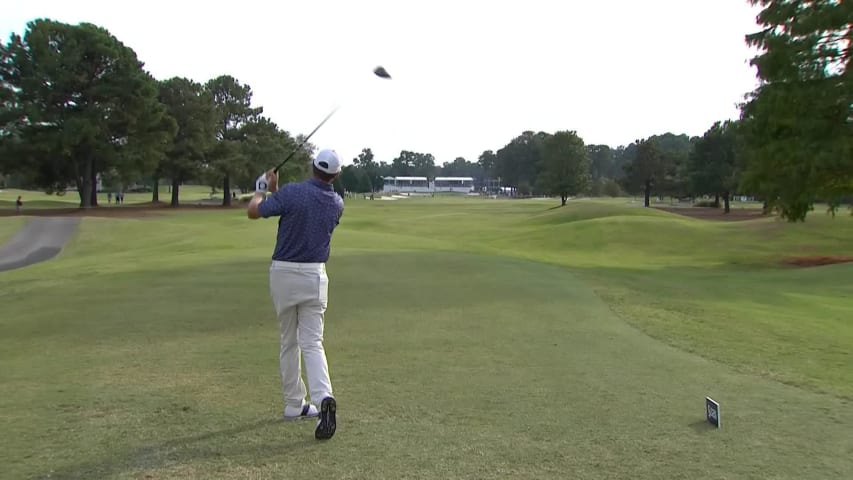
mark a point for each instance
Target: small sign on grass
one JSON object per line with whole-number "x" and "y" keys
{"x": 712, "y": 412}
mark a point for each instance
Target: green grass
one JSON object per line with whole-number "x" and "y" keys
{"x": 9, "y": 226}
{"x": 33, "y": 199}
{"x": 466, "y": 339}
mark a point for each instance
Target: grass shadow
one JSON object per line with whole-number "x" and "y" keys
{"x": 702, "y": 426}
{"x": 226, "y": 443}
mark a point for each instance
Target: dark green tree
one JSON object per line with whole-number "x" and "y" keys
{"x": 460, "y": 167}
{"x": 350, "y": 178}
{"x": 516, "y": 163}
{"x": 675, "y": 150}
{"x": 712, "y": 166}
{"x": 78, "y": 103}
{"x": 233, "y": 109}
{"x": 424, "y": 164}
{"x": 262, "y": 146}
{"x": 487, "y": 163}
{"x": 796, "y": 127}
{"x": 191, "y": 107}
{"x": 403, "y": 165}
{"x": 647, "y": 170}
{"x": 600, "y": 161}
{"x": 622, "y": 157}
{"x": 370, "y": 180}
{"x": 563, "y": 165}
{"x": 415, "y": 164}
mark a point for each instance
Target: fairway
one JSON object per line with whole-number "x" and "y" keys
{"x": 467, "y": 338}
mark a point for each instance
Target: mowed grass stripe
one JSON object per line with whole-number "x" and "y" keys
{"x": 505, "y": 367}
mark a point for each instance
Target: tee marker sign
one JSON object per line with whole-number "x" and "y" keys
{"x": 712, "y": 412}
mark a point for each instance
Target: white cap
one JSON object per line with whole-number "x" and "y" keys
{"x": 328, "y": 161}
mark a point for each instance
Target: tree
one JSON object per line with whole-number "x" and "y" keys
{"x": 622, "y": 157}
{"x": 403, "y": 165}
{"x": 300, "y": 163}
{"x": 487, "y": 164}
{"x": 795, "y": 128}
{"x": 413, "y": 164}
{"x": 460, "y": 167}
{"x": 564, "y": 165}
{"x": 675, "y": 150}
{"x": 233, "y": 109}
{"x": 647, "y": 170}
{"x": 263, "y": 145}
{"x": 424, "y": 165}
{"x": 516, "y": 163}
{"x": 10, "y": 110}
{"x": 600, "y": 161}
{"x": 370, "y": 171}
{"x": 191, "y": 107}
{"x": 711, "y": 166}
{"x": 350, "y": 178}
{"x": 77, "y": 103}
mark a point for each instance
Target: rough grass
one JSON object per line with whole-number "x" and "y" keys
{"x": 467, "y": 339}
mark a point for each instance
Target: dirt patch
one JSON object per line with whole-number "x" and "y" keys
{"x": 816, "y": 260}
{"x": 119, "y": 211}
{"x": 708, "y": 213}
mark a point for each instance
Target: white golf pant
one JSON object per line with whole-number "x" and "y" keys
{"x": 300, "y": 294}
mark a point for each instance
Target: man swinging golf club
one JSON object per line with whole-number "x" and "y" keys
{"x": 308, "y": 213}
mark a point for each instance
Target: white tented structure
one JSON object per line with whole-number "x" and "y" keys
{"x": 454, "y": 184}
{"x": 406, "y": 185}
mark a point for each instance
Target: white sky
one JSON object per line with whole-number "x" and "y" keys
{"x": 467, "y": 75}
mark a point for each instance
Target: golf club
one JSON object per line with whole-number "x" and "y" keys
{"x": 378, "y": 71}
{"x": 302, "y": 143}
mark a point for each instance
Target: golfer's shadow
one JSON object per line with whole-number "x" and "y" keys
{"x": 187, "y": 450}
{"x": 221, "y": 433}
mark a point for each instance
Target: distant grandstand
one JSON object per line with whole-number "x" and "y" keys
{"x": 424, "y": 185}
{"x": 406, "y": 185}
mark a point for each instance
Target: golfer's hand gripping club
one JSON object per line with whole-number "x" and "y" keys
{"x": 267, "y": 182}
{"x": 261, "y": 184}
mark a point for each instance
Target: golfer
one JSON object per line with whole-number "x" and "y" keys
{"x": 308, "y": 213}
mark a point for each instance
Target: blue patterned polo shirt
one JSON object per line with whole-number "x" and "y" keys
{"x": 308, "y": 213}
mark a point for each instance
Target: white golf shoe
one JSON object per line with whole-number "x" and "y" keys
{"x": 297, "y": 413}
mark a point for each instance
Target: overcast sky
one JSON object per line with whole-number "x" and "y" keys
{"x": 467, "y": 75}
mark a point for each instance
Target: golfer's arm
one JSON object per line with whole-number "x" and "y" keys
{"x": 253, "y": 205}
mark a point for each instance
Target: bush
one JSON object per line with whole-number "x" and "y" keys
{"x": 605, "y": 187}
{"x": 705, "y": 203}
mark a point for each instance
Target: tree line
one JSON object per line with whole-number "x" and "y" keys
{"x": 76, "y": 105}
{"x": 562, "y": 164}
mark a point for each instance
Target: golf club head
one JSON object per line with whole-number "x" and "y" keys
{"x": 381, "y": 72}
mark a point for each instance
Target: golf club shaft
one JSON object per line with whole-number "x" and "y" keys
{"x": 305, "y": 140}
